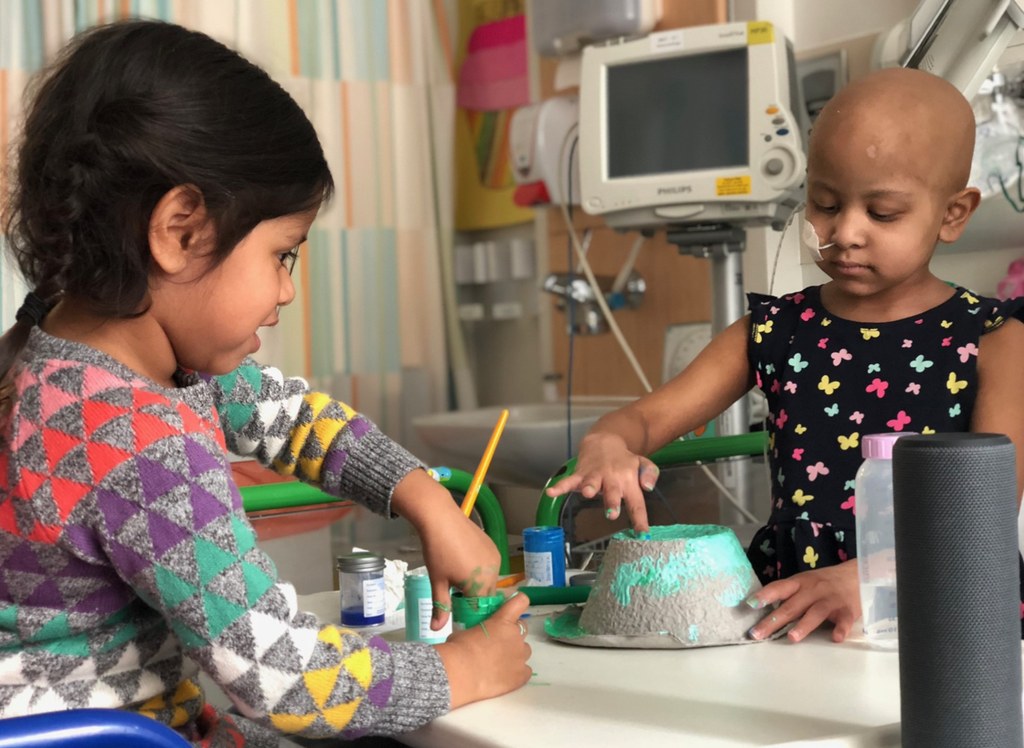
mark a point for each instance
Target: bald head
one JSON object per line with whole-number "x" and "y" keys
{"x": 901, "y": 119}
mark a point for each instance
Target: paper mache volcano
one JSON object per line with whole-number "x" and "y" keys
{"x": 683, "y": 586}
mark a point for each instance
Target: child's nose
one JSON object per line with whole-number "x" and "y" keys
{"x": 286, "y": 293}
{"x": 847, "y": 229}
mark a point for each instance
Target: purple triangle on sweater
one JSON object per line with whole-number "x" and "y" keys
{"x": 84, "y": 541}
{"x": 116, "y": 509}
{"x": 358, "y": 427}
{"x": 105, "y": 600}
{"x": 200, "y": 460}
{"x": 46, "y": 595}
{"x": 156, "y": 479}
{"x": 334, "y": 462}
{"x": 127, "y": 560}
{"x": 164, "y": 534}
{"x": 205, "y": 507}
{"x": 380, "y": 693}
{"x": 24, "y": 559}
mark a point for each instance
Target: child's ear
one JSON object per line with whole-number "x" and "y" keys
{"x": 175, "y": 228}
{"x": 959, "y": 210}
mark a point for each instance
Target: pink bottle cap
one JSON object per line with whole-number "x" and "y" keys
{"x": 880, "y": 445}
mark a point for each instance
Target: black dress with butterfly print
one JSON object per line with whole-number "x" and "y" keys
{"x": 829, "y": 382}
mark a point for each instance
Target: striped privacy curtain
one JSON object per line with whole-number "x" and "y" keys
{"x": 375, "y": 77}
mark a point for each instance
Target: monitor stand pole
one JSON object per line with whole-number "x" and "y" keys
{"x": 723, "y": 244}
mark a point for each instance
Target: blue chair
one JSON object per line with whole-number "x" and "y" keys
{"x": 88, "y": 728}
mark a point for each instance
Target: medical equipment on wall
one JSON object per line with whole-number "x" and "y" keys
{"x": 562, "y": 27}
{"x": 539, "y": 162}
{"x": 998, "y": 143}
{"x": 959, "y": 40}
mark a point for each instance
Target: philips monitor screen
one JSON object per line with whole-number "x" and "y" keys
{"x": 678, "y": 114}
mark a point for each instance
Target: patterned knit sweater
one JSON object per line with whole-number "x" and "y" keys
{"x": 126, "y": 559}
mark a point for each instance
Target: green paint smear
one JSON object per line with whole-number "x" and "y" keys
{"x": 711, "y": 552}
{"x": 565, "y": 625}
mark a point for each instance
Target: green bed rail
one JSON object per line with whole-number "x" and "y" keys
{"x": 293, "y": 495}
{"x": 687, "y": 452}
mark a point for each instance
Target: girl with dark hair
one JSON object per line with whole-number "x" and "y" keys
{"x": 164, "y": 185}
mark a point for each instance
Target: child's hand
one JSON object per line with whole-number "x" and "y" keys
{"x": 456, "y": 551}
{"x": 488, "y": 659}
{"x": 810, "y": 598}
{"x": 605, "y": 466}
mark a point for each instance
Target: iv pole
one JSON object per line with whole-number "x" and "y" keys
{"x": 723, "y": 245}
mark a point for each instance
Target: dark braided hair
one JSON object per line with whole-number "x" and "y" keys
{"x": 127, "y": 112}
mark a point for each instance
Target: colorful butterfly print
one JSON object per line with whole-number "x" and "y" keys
{"x": 966, "y": 351}
{"x": 798, "y": 454}
{"x": 953, "y": 384}
{"x": 907, "y": 343}
{"x": 822, "y": 343}
{"x": 776, "y": 385}
{"x": 927, "y": 430}
{"x": 790, "y": 387}
{"x": 947, "y": 342}
{"x": 798, "y": 298}
{"x": 826, "y": 385}
{"x": 849, "y": 442}
{"x": 850, "y": 503}
{"x": 850, "y": 485}
{"x": 840, "y": 535}
{"x": 841, "y": 355}
{"x": 774, "y": 310}
{"x": 807, "y": 315}
{"x": 970, "y": 299}
{"x": 946, "y": 324}
{"x": 874, "y": 368}
{"x": 818, "y": 468}
{"x": 781, "y": 418}
{"x": 877, "y": 386}
{"x": 816, "y": 528}
{"x": 975, "y": 311}
{"x": 800, "y": 428}
{"x": 810, "y": 557}
{"x": 857, "y": 417}
{"x": 757, "y": 380}
{"x": 954, "y": 411}
{"x": 800, "y": 498}
{"x": 769, "y": 369}
{"x": 918, "y": 321}
{"x": 920, "y": 363}
{"x": 914, "y": 388}
{"x": 804, "y": 516}
{"x": 769, "y": 573}
{"x": 798, "y": 363}
{"x": 841, "y": 553}
{"x": 766, "y": 548}
{"x": 763, "y": 329}
{"x": 869, "y": 332}
{"x": 897, "y": 423}
{"x": 832, "y": 410}
{"x": 825, "y": 322}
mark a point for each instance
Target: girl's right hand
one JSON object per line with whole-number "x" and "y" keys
{"x": 488, "y": 659}
{"x": 605, "y": 466}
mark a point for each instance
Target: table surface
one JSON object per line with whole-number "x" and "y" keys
{"x": 816, "y": 693}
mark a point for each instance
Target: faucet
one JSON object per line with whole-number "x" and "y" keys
{"x": 587, "y": 316}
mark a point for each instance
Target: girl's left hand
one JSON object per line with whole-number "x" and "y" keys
{"x": 810, "y": 598}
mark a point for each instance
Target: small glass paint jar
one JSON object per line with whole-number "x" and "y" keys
{"x": 361, "y": 578}
{"x": 544, "y": 556}
{"x": 469, "y": 611}
{"x": 419, "y": 609}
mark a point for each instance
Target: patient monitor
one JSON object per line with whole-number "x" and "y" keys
{"x": 693, "y": 125}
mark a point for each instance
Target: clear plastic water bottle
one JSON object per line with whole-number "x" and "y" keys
{"x": 876, "y": 541}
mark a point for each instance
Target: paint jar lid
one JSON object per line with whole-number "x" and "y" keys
{"x": 469, "y": 611}
{"x": 361, "y": 562}
{"x": 418, "y": 582}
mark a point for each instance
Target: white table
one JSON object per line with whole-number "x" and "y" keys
{"x": 815, "y": 693}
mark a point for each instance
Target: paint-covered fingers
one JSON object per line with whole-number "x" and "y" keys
{"x": 648, "y": 474}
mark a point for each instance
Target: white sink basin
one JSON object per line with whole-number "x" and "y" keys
{"x": 535, "y": 442}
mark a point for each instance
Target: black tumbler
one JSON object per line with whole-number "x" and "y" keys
{"x": 958, "y": 593}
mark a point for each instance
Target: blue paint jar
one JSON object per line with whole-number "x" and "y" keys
{"x": 361, "y": 578}
{"x": 544, "y": 556}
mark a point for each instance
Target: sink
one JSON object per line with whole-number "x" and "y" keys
{"x": 533, "y": 445}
